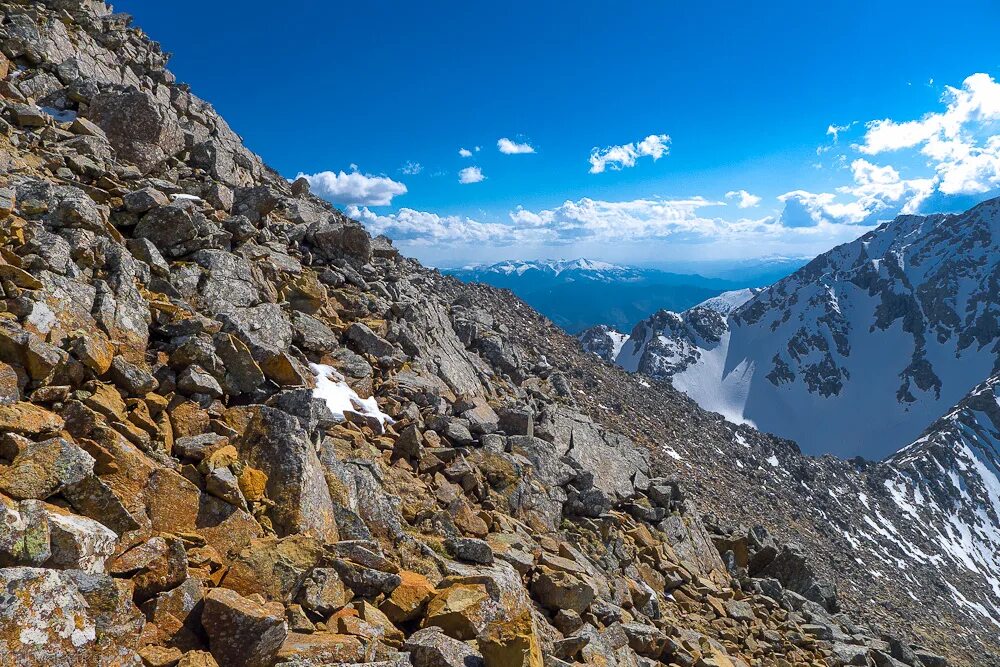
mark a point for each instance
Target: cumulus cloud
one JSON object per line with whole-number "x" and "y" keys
{"x": 594, "y": 221}
{"x": 471, "y": 175}
{"x": 960, "y": 142}
{"x": 465, "y": 152}
{"x": 424, "y": 228}
{"x": 354, "y": 188}
{"x": 743, "y": 198}
{"x": 508, "y": 147}
{"x": 412, "y": 168}
{"x": 878, "y": 193}
{"x": 619, "y": 157}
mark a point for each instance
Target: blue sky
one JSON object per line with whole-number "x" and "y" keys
{"x": 688, "y": 103}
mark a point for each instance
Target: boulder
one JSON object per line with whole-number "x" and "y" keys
{"x": 241, "y": 632}
{"x": 321, "y": 648}
{"x": 79, "y": 543}
{"x": 41, "y": 469}
{"x": 469, "y": 549}
{"x": 54, "y": 617}
{"x": 462, "y": 611}
{"x": 557, "y": 589}
{"x": 275, "y": 443}
{"x": 141, "y": 129}
{"x": 407, "y": 601}
{"x": 274, "y": 567}
{"x": 511, "y": 643}
{"x": 432, "y": 648}
{"x": 28, "y": 419}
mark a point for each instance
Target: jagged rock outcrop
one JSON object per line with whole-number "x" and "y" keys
{"x": 236, "y": 430}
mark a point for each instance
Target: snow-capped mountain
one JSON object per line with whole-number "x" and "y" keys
{"x": 667, "y": 342}
{"x": 855, "y": 353}
{"x": 567, "y": 269}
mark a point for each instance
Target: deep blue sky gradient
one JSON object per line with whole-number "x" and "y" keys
{"x": 745, "y": 90}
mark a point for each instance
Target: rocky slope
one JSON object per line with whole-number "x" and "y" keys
{"x": 236, "y": 430}
{"x": 893, "y": 328}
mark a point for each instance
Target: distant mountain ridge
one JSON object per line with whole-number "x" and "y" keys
{"x": 580, "y": 293}
{"x": 891, "y": 329}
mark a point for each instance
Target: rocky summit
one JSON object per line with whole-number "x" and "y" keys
{"x": 237, "y": 430}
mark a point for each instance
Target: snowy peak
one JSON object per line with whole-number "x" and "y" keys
{"x": 729, "y": 301}
{"x": 581, "y": 268}
{"x": 891, "y": 329}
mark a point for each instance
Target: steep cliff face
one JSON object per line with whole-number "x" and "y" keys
{"x": 237, "y": 430}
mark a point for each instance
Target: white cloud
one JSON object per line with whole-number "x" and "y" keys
{"x": 680, "y": 221}
{"x": 465, "y": 152}
{"x": 412, "y": 168}
{"x": 835, "y": 130}
{"x": 877, "y": 194}
{"x": 471, "y": 175}
{"x": 961, "y": 142}
{"x": 354, "y": 188}
{"x": 423, "y": 228}
{"x": 744, "y": 198}
{"x": 620, "y": 157}
{"x": 508, "y": 147}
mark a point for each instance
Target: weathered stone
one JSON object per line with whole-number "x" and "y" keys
{"x": 460, "y": 610}
{"x": 53, "y": 617}
{"x": 95, "y": 351}
{"x": 41, "y": 469}
{"x": 241, "y": 632}
{"x": 321, "y": 648}
{"x": 556, "y": 589}
{"x": 176, "y": 615}
{"x": 470, "y": 550}
{"x": 132, "y": 379}
{"x": 195, "y": 380}
{"x": 324, "y": 592}
{"x": 276, "y": 444}
{"x": 141, "y": 129}
{"x": 432, "y": 648}
{"x": 28, "y": 419}
{"x": 407, "y": 601}
{"x": 367, "y": 341}
{"x": 274, "y": 567}
{"x": 156, "y": 566}
{"x": 144, "y": 200}
{"x": 366, "y": 582}
{"x": 79, "y": 543}
{"x": 511, "y": 643}
{"x": 24, "y": 533}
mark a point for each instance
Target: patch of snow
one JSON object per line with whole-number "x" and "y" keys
{"x": 339, "y": 397}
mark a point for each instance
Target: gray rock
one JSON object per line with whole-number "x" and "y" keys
{"x": 141, "y": 129}
{"x": 275, "y": 443}
{"x": 180, "y": 229}
{"x": 195, "y": 380}
{"x": 141, "y": 201}
{"x": 432, "y": 648}
{"x": 367, "y": 341}
{"x": 366, "y": 582}
{"x": 470, "y": 550}
{"x": 241, "y": 632}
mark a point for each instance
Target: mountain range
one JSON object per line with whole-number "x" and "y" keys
{"x": 893, "y": 329}
{"x": 236, "y": 429}
{"x": 581, "y": 293}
